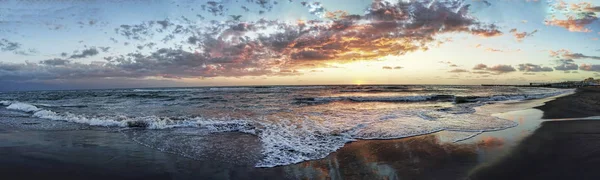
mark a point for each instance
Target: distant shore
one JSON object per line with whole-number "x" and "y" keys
{"x": 567, "y": 149}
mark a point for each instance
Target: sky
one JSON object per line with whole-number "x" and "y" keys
{"x": 90, "y": 44}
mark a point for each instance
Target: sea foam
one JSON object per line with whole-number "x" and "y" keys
{"x": 22, "y": 107}
{"x": 5, "y": 103}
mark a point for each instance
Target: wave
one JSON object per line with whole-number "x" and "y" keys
{"x": 322, "y": 100}
{"x": 144, "y": 95}
{"x": 168, "y": 90}
{"x": 5, "y": 103}
{"x": 22, "y": 107}
{"x": 512, "y": 97}
{"x": 440, "y": 97}
{"x": 64, "y": 105}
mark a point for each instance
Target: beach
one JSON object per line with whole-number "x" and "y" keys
{"x": 40, "y": 148}
{"x": 564, "y": 149}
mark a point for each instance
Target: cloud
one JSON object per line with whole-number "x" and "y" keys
{"x": 458, "y": 71}
{"x": 27, "y": 52}
{"x": 580, "y": 56}
{"x": 593, "y": 9}
{"x": 566, "y": 65}
{"x": 583, "y": 7}
{"x": 497, "y": 69}
{"x": 6, "y": 45}
{"x": 579, "y": 15}
{"x": 563, "y": 53}
{"x": 480, "y": 67}
{"x": 501, "y": 69}
{"x": 572, "y": 24}
{"x": 590, "y": 67}
{"x": 85, "y": 53}
{"x": 34, "y": 71}
{"x": 528, "y": 67}
{"x": 450, "y": 64}
{"x": 480, "y": 72}
{"x": 390, "y": 68}
{"x": 522, "y": 35}
{"x": 55, "y": 62}
{"x": 494, "y": 50}
{"x": 388, "y": 30}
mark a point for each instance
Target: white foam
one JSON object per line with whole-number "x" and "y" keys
{"x": 22, "y": 107}
{"x": 367, "y": 99}
{"x": 539, "y": 94}
{"x": 151, "y": 122}
{"x": 305, "y": 87}
{"x": 232, "y": 89}
{"x": 5, "y": 103}
{"x": 168, "y": 90}
{"x": 391, "y": 99}
{"x": 290, "y": 142}
{"x": 69, "y": 117}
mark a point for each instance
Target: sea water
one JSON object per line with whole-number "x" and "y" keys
{"x": 293, "y": 123}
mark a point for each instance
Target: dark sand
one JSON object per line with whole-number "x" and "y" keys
{"x": 584, "y": 103}
{"x": 567, "y": 149}
{"x": 557, "y": 150}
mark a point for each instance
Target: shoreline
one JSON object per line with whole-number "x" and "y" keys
{"x": 564, "y": 146}
{"x": 107, "y": 154}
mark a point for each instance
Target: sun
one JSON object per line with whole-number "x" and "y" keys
{"x": 358, "y": 82}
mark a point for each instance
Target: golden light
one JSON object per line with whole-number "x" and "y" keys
{"x": 358, "y": 82}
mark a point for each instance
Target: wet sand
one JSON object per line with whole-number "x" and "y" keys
{"x": 564, "y": 149}
{"x": 557, "y": 150}
{"x": 567, "y": 149}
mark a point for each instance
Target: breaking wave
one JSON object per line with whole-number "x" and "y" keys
{"x": 441, "y": 97}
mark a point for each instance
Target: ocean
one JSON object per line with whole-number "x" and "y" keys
{"x": 292, "y": 123}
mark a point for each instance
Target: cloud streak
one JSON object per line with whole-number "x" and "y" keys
{"x": 85, "y": 53}
{"x": 566, "y": 65}
{"x": 519, "y": 36}
{"x": 528, "y": 67}
{"x": 496, "y": 69}
{"x": 590, "y": 67}
{"x": 563, "y": 53}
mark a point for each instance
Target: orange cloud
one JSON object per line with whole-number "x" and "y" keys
{"x": 578, "y": 16}
{"x": 572, "y": 24}
{"x": 566, "y": 54}
{"x": 522, "y": 35}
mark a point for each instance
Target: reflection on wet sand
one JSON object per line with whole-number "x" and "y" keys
{"x": 557, "y": 150}
{"x": 421, "y": 157}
